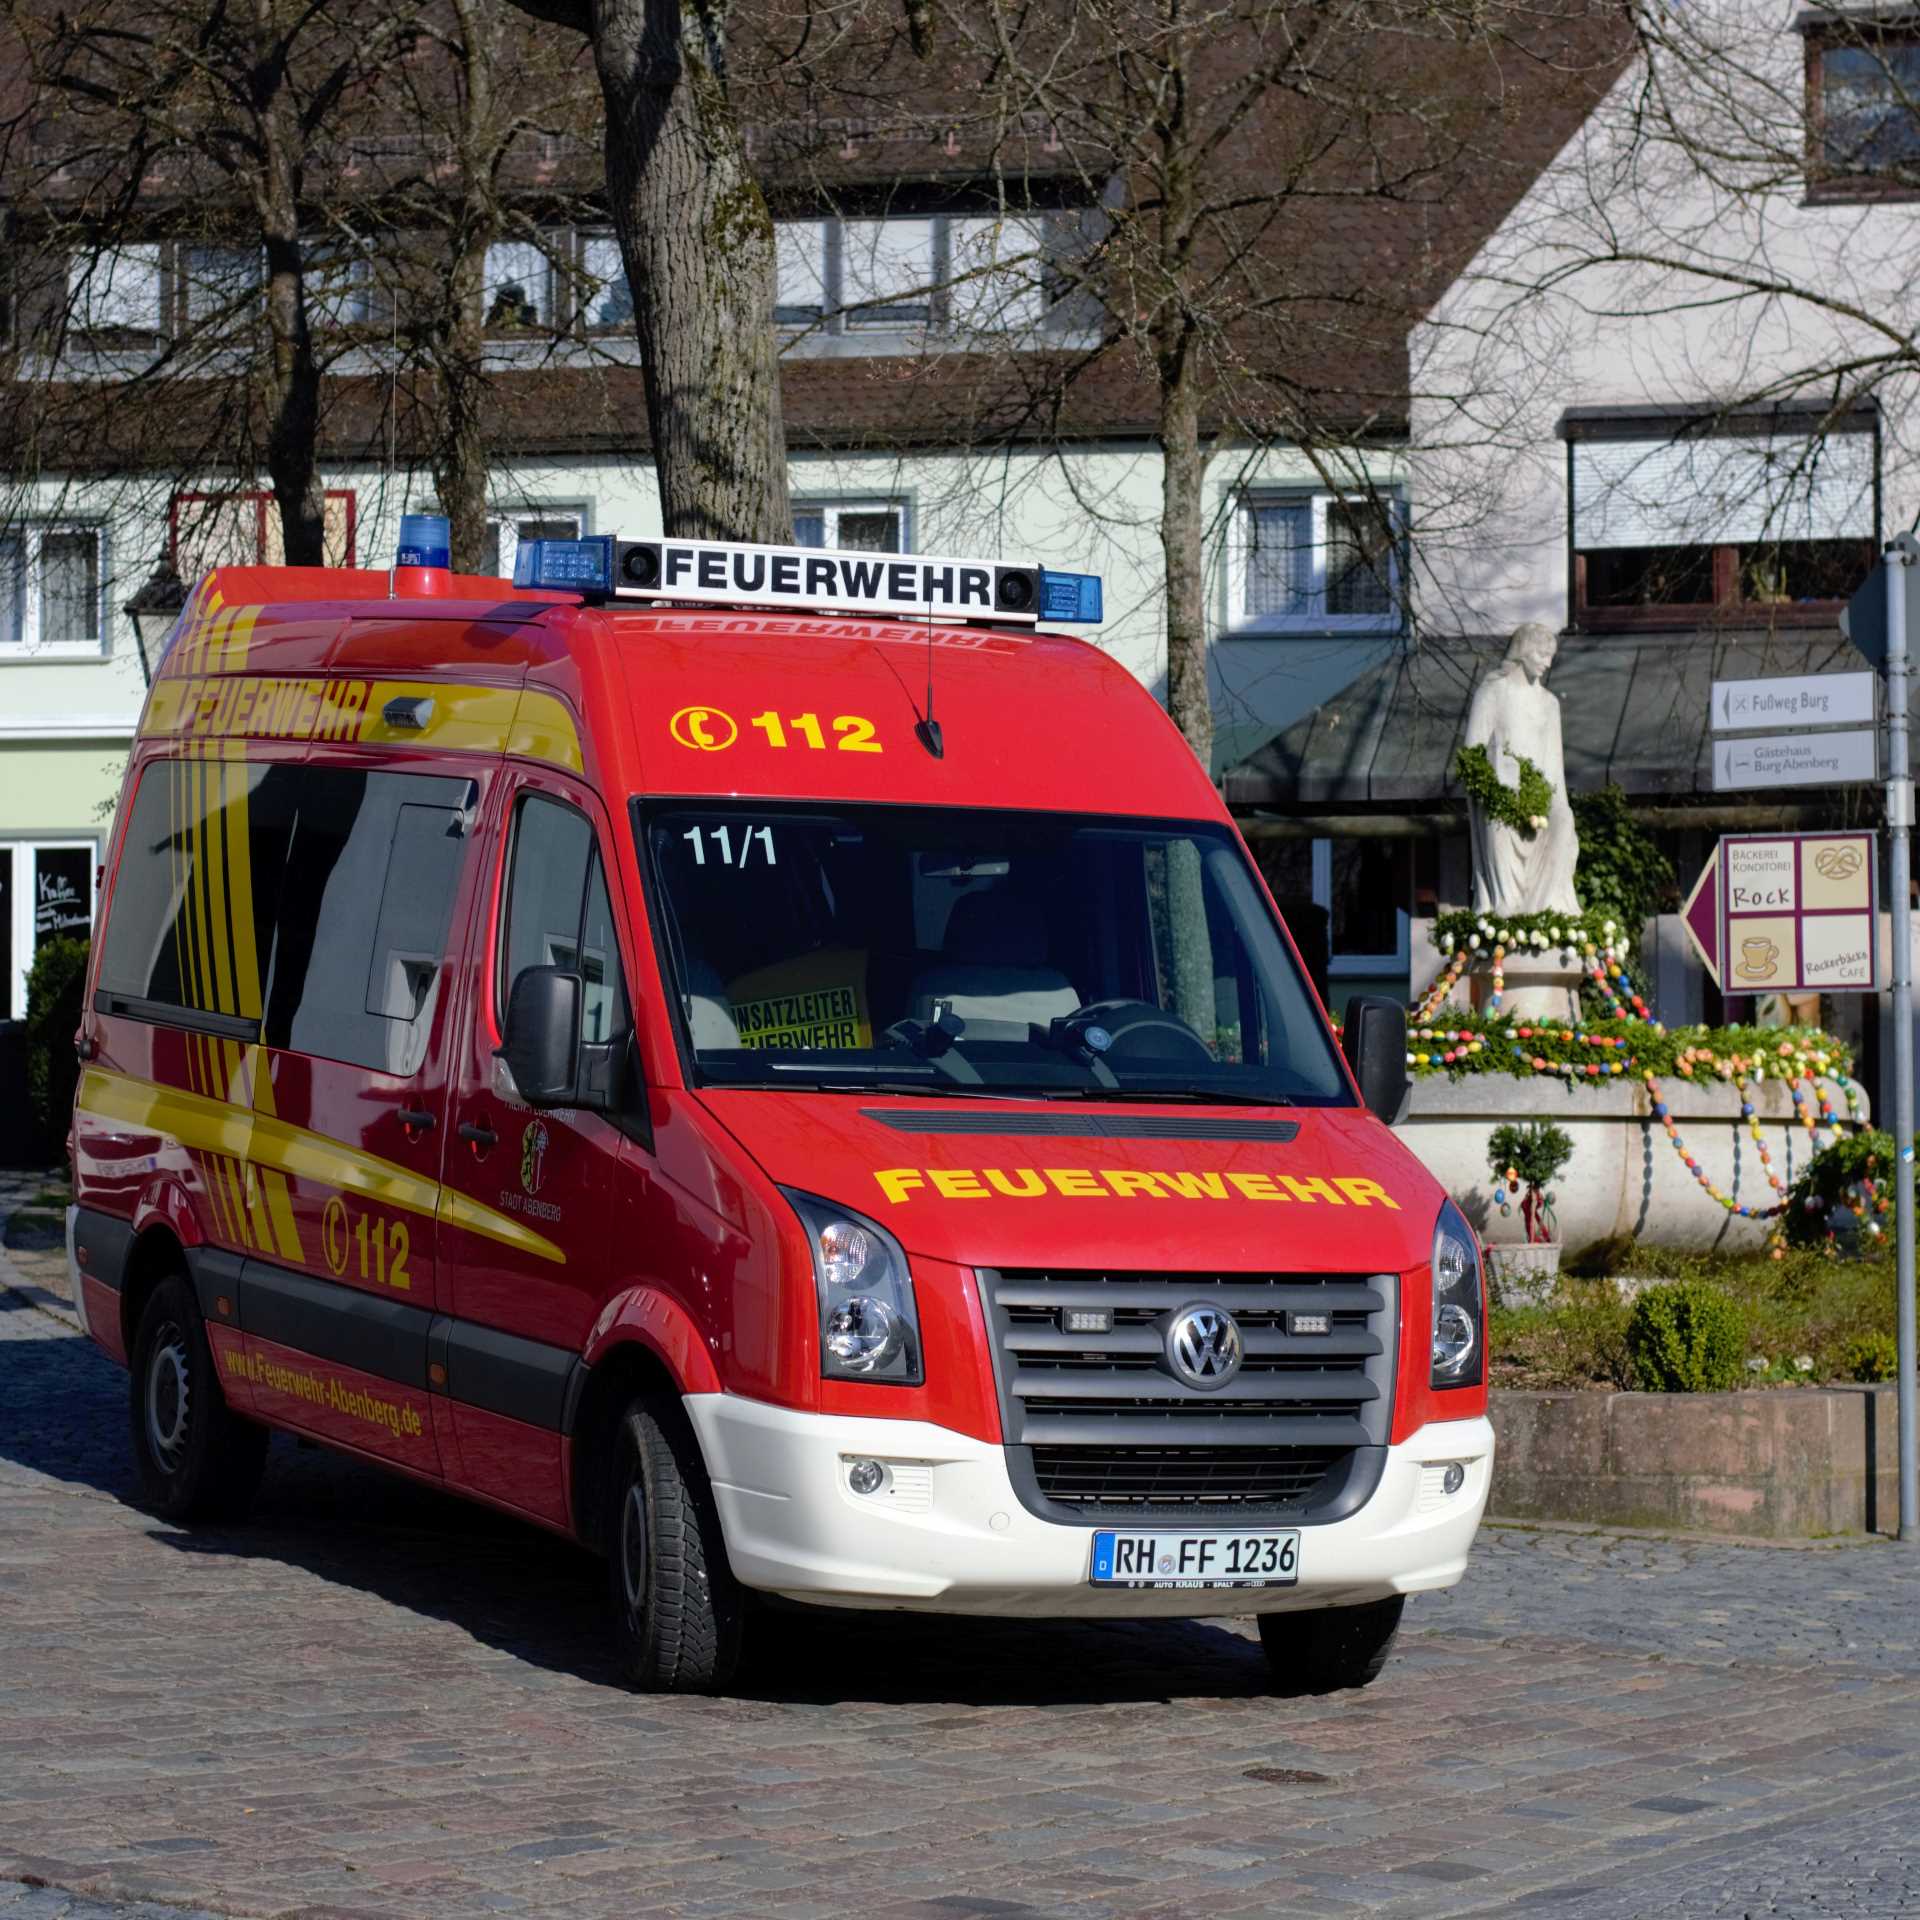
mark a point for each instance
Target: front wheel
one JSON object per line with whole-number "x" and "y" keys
{"x": 196, "y": 1459}
{"x": 1332, "y": 1650}
{"x": 677, "y": 1608}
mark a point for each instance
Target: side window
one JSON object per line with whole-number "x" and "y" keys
{"x": 559, "y": 915}
{"x": 312, "y": 900}
{"x": 197, "y": 892}
{"x": 362, "y": 931}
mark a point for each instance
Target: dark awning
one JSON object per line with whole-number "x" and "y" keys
{"x": 1633, "y": 713}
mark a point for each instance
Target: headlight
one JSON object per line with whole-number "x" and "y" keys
{"x": 869, "y": 1329}
{"x": 1459, "y": 1318}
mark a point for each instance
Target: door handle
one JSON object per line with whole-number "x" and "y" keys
{"x": 418, "y": 1119}
{"x": 479, "y": 1136}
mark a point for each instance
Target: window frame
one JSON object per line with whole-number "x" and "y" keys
{"x": 261, "y": 500}
{"x": 831, "y": 508}
{"x": 1726, "y": 608}
{"x": 1864, "y": 33}
{"x": 1314, "y": 618}
{"x": 548, "y": 320}
{"x": 13, "y": 1004}
{"x": 503, "y": 522}
{"x": 1359, "y": 966}
{"x": 580, "y": 300}
{"x": 29, "y": 645}
{"x": 116, "y": 333}
{"x": 839, "y": 318}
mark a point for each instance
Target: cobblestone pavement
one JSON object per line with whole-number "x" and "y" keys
{"x": 373, "y": 1701}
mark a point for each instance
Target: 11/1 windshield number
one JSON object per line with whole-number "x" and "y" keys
{"x": 723, "y": 843}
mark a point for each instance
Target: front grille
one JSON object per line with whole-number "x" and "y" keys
{"x": 1099, "y": 1422}
{"x": 1182, "y": 1476}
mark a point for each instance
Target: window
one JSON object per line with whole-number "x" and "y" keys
{"x": 222, "y": 287}
{"x": 811, "y": 935}
{"x": 116, "y": 291}
{"x": 505, "y": 532}
{"x": 1863, "y": 107}
{"x": 965, "y": 273}
{"x": 606, "y": 303}
{"x": 1672, "y": 528}
{"x": 887, "y": 272}
{"x": 336, "y": 892}
{"x": 1363, "y": 890}
{"x": 996, "y": 268}
{"x": 516, "y": 291}
{"x": 866, "y": 526}
{"x": 1315, "y": 561}
{"x": 339, "y": 283}
{"x": 46, "y": 893}
{"x": 50, "y": 590}
{"x": 559, "y": 915}
{"x": 800, "y": 271}
{"x": 243, "y": 530}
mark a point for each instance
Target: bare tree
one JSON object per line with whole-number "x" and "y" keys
{"x": 1281, "y": 188}
{"x": 200, "y": 124}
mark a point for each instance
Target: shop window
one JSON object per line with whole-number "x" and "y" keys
{"x": 1678, "y": 528}
{"x": 46, "y": 893}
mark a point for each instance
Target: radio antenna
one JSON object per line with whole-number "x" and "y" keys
{"x": 927, "y": 730}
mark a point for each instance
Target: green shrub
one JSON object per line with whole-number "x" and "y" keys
{"x": 56, "y": 985}
{"x": 1874, "y": 1356}
{"x": 1536, "y": 1152}
{"x": 1686, "y": 1337}
{"x": 1855, "y": 1172}
{"x": 1622, "y": 871}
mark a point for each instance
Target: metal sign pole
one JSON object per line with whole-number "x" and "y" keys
{"x": 1899, "y": 827}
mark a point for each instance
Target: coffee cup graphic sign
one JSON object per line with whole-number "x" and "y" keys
{"x": 1789, "y": 913}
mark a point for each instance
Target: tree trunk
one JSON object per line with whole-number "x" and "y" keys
{"x": 1183, "y": 483}
{"x": 459, "y": 441}
{"x": 290, "y": 376}
{"x": 698, "y": 244}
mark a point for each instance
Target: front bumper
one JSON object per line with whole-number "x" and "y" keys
{"x": 949, "y": 1535}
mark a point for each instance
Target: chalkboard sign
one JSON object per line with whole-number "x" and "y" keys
{"x": 62, "y": 894}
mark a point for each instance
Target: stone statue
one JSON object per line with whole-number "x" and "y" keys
{"x": 1513, "y": 715}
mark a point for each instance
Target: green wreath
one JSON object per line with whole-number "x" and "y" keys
{"x": 1523, "y": 807}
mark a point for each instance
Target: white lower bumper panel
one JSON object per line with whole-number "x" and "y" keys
{"x": 946, "y": 1533}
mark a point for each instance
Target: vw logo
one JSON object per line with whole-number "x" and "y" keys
{"x": 1203, "y": 1346}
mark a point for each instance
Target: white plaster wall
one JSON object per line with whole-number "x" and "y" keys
{"x": 1092, "y": 508}
{"x": 1610, "y": 285}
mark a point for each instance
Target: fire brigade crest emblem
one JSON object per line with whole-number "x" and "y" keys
{"x": 533, "y": 1156}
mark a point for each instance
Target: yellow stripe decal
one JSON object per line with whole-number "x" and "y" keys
{"x": 196, "y": 1121}
{"x": 456, "y": 717}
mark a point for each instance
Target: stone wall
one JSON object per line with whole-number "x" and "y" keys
{"x": 1795, "y": 1463}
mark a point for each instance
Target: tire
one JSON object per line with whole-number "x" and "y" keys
{"x": 196, "y": 1459}
{"x": 1330, "y": 1651}
{"x": 677, "y": 1609}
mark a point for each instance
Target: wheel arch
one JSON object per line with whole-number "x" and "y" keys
{"x": 155, "y": 1254}
{"x": 625, "y": 1369}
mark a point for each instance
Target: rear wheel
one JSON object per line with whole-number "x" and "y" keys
{"x": 677, "y": 1608}
{"x": 1330, "y": 1650}
{"x": 196, "y": 1458}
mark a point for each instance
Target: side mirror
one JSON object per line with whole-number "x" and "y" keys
{"x": 1375, "y": 1040}
{"x": 543, "y": 1036}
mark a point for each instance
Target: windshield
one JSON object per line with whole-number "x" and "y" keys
{"x": 962, "y": 950}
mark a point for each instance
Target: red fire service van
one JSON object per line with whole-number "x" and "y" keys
{"x": 772, "y": 1064}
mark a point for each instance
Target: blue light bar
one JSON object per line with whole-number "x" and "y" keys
{"x": 566, "y": 566}
{"x": 425, "y": 541}
{"x": 1070, "y": 596}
